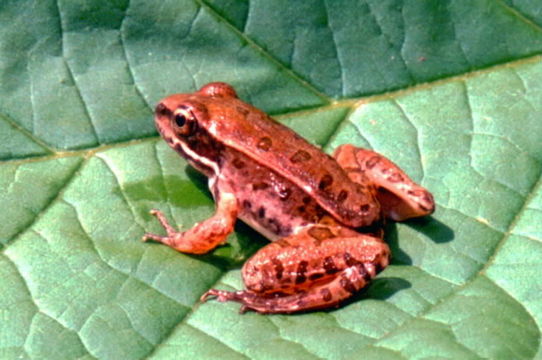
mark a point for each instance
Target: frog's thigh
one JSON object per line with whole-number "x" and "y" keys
{"x": 399, "y": 197}
{"x": 315, "y": 268}
{"x": 206, "y": 235}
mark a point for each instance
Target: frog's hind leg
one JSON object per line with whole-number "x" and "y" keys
{"x": 400, "y": 198}
{"x": 316, "y": 268}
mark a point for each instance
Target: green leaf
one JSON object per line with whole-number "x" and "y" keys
{"x": 449, "y": 90}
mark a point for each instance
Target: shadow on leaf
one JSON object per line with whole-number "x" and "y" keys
{"x": 398, "y": 256}
{"x": 437, "y": 231}
{"x": 432, "y": 228}
{"x": 383, "y": 288}
{"x": 380, "y": 288}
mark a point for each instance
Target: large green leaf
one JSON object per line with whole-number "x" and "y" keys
{"x": 450, "y": 90}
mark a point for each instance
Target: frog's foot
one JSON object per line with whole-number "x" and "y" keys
{"x": 399, "y": 197}
{"x": 244, "y": 297}
{"x": 346, "y": 283}
{"x": 317, "y": 267}
{"x": 203, "y": 237}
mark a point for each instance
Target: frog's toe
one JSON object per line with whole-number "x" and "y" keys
{"x": 242, "y": 297}
{"x": 148, "y": 236}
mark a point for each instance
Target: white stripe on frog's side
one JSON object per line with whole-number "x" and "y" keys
{"x": 192, "y": 155}
{"x": 211, "y": 181}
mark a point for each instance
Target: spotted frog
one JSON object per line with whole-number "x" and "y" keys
{"x": 321, "y": 213}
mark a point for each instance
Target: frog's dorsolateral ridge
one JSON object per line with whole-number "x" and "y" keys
{"x": 312, "y": 206}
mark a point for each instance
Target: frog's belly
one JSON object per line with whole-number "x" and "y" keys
{"x": 269, "y": 203}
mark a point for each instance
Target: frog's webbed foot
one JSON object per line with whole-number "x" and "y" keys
{"x": 316, "y": 268}
{"x": 400, "y": 197}
{"x": 203, "y": 237}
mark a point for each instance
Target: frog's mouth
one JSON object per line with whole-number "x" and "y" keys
{"x": 162, "y": 116}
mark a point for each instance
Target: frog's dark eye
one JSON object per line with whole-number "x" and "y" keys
{"x": 183, "y": 120}
{"x": 180, "y": 119}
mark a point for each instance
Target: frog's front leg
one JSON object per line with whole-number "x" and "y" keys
{"x": 400, "y": 198}
{"x": 204, "y": 236}
{"x": 315, "y": 268}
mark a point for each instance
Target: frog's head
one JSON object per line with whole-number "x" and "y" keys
{"x": 187, "y": 122}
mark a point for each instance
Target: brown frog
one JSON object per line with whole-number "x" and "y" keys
{"x": 321, "y": 212}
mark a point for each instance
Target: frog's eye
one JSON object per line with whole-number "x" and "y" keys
{"x": 180, "y": 119}
{"x": 183, "y": 120}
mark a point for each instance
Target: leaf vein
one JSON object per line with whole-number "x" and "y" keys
{"x": 73, "y": 77}
{"x": 24, "y": 282}
{"x": 294, "y": 75}
{"x": 418, "y": 136}
{"x": 122, "y": 190}
{"x": 522, "y": 17}
{"x": 26, "y": 133}
{"x": 127, "y": 58}
{"x": 48, "y": 204}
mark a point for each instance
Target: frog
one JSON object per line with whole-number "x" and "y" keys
{"x": 323, "y": 214}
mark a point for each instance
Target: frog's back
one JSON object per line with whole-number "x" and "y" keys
{"x": 273, "y": 145}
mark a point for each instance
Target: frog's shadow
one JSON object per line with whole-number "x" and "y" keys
{"x": 432, "y": 228}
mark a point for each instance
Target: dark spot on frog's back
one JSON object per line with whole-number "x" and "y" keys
{"x": 329, "y": 265}
{"x": 349, "y": 260}
{"x": 363, "y": 272}
{"x": 326, "y": 294}
{"x": 300, "y": 156}
{"x": 238, "y": 163}
{"x": 342, "y": 196}
{"x": 260, "y": 186}
{"x": 264, "y": 143}
{"x": 242, "y": 111}
{"x": 316, "y": 276}
{"x": 325, "y": 182}
{"x": 395, "y": 178}
{"x": 372, "y": 162}
{"x": 347, "y": 285}
{"x": 300, "y": 272}
{"x": 279, "y": 268}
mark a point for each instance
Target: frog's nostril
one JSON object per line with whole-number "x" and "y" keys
{"x": 161, "y": 110}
